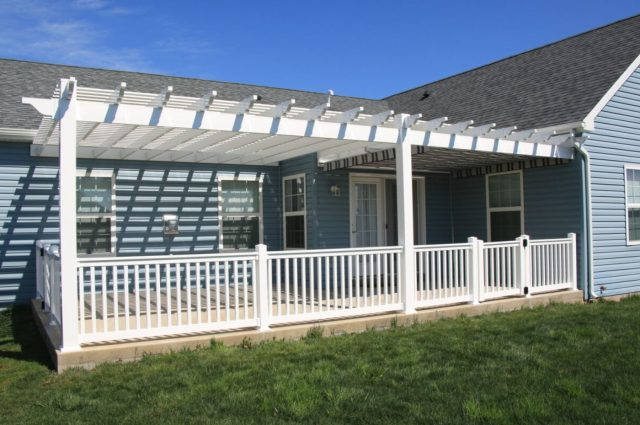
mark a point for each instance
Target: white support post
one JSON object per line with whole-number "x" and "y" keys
{"x": 262, "y": 287}
{"x": 474, "y": 270}
{"x": 404, "y": 184}
{"x": 522, "y": 265}
{"x": 574, "y": 261}
{"x": 66, "y": 116}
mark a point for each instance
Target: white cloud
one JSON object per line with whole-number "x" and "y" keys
{"x": 49, "y": 31}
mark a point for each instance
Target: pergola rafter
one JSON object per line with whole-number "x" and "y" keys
{"x": 123, "y": 124}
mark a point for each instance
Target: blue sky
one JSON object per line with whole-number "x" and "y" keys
{"x": 357, "y": 48}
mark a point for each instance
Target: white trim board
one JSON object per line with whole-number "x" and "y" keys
{"x": 589, "y": 121}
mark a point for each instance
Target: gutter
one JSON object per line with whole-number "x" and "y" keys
{"x": 17, "y": 134}
{"x": 587, "y": 223}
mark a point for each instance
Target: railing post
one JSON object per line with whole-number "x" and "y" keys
{"x": 39, "y": 278}
{"x": 477, "y": 270}
{"x": 262, "y": 287}
{"x": 523, "y": 265}
{"x": 574, "y": 260}
{"x": 473, "y": 270}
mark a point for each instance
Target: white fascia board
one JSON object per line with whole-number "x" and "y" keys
{"x": 589, "y": 121}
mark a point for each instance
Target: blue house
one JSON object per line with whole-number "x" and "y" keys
{"x": 144, "y": 206}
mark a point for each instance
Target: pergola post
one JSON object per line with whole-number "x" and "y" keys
{"x": 404, "y": 184}
{"x": 66, "y": 116}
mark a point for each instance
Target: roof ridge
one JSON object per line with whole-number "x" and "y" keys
{"x": 187, "y": 78}
{"x": 513, "y": 56}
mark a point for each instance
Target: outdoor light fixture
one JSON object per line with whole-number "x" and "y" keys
{"x": 170, "y": 226}
{"x": 335, "y": 190}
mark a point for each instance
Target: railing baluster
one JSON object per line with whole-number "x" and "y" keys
{"x": 245, "y": 288}
{"x": 147, "y": 286}
{"x": 287, "y": 300}
{"x": 187, "y": 288}
{"x": 295, "y": 286}
{"x": 198, "y": 293}
{"x": 207, "y": 282}
{"x": 80, "y": 283}
{"x": 92, "y": 280}
{"x": 235, "y": 289}
{"x": 136, "y": 284}
{"x": 216, "y": 264}
{"x": 303, "y": 274}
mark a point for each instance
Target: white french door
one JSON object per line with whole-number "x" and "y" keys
{"x": 366, "y": 212}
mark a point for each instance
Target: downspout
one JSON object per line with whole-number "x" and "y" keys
{"x": 587, "y": 223}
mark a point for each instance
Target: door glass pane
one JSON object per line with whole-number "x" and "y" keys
{"x": 366, "y": 214}
{"x": 240, "y": 232}
{"x": 505, "y": 225}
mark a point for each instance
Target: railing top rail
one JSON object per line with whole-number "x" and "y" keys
{"x": 442, "y": 246}
{"x": 335, "y": 251}
{"x": 501, "y": 244}
{"x": 163, "y": 259}
{"x": 550, "y": 241}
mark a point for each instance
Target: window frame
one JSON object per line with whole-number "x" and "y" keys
{"x": 628, "y": 205}
{"x": 504, "y": 209}
{"x": 286, "y": 214}
{"x": 221, "y": 215}
{"x": 100, "y": 173}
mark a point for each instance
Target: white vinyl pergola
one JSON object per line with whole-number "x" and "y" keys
{"x": 83, "y": 122}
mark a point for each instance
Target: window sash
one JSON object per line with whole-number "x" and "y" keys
{"x": 294, "y": 205}
{"x": 252, "y": 210}
{"x": 632, "y": 202}
{"x": 107, "y": 213}
{"x": 509, "y": 186}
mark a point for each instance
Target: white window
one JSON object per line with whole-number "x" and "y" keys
{"x": 96, "y": 212}
{"x": 504, "y": 206}
{"x": 632, "y": 195}
{"x": 240, "y": 214}
{"x": 294, "y": 212}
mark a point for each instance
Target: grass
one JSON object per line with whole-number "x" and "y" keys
{"x": 556, "y": 365}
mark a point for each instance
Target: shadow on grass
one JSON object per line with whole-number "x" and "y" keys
{"x": 19, "y": 337}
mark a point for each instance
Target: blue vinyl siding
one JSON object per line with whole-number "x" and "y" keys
{"x": 614, "y": 143}
{"x": 552, "y": 203}
{"x": 438, "y": 208}
{"x": 469, "y": 208}
{"x": 144, "y": 192}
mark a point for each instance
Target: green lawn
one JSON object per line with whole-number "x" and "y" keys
{"x": 559, "y": 364}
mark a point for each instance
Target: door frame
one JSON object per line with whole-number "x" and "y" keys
{"x": 382, "y": 217}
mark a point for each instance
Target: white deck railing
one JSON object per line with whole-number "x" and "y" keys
{"x": 333, "y": 283}
{"x": 123, "y": 298}
{"x": 444, "y": 274}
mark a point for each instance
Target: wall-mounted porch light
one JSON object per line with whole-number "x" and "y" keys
{"x": 170, "y": 226}
{"x": 334, "y": 190}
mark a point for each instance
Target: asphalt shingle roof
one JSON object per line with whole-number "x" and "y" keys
{"x": 34, "y": 79}
{"x": 553, "y": 84}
